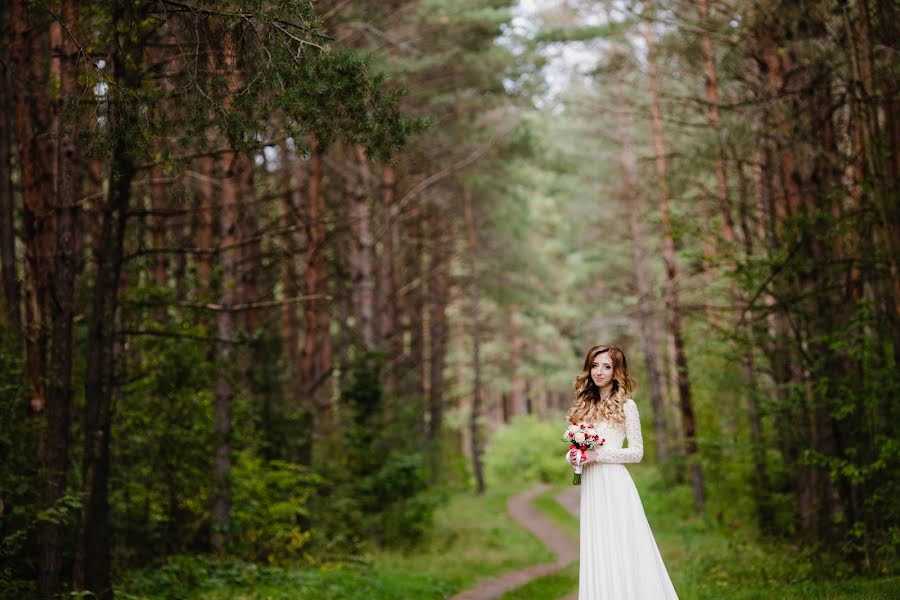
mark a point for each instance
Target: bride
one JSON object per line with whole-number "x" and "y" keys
{"x": 619, "y": 557}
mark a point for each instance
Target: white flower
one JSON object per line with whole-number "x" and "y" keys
{"x": 579, "y": 437}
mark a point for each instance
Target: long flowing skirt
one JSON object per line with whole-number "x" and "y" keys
{"x": 619, "y": 557}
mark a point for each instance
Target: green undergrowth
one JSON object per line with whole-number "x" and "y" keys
{"x": 553, "y": 510}
{"x": 711, "y": 561}
{"x": 473, "y": 537}
{"x": 548, "y": 587}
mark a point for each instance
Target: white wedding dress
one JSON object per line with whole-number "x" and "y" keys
{"x": 619, "y": 557}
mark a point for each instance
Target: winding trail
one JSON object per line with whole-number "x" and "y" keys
{"x": 519, "y": 507}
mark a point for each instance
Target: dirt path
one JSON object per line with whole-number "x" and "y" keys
{"x": 520, "y": 508}
{"x": 571, "y": 501}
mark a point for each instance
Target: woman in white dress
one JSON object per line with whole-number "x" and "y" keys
{"x": 619, "y": 557}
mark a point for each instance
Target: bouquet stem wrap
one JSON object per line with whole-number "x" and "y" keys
{"x": 576, "y": 478}
{"x": 581, "y": 437}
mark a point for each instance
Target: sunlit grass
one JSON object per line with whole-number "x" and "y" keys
{"x": 548, "y": 587}
{"x": 473, "y": 537}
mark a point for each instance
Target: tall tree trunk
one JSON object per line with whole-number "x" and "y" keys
{"x": 11, "y": 291}
{"x": 317, "y": 347}
{"x": 249, "y": 250}
{"x": 712, "y": 107}
{"x": 362, "y": 276}
{"x": 205, "y": 226}
{"x": 60, "y": 396}
{"x": 92, "y": 559}
{"x": 159, "y": 204}
{"x": 234, "y": 165}
{"x": 476, "y": 341}
{"x": 387, "y": 283}
{"x": 225, "y": 330}
{"x": 631, "y": 197}
{"x": 414, "y": 306}
{"x": 748, "y": 363}
{"x": 36, "y": 156}
{"x": 518, "y": 402}
{"x": 288, "y": 218}
{"x": 762, "y": 484}
{"x": 672, "y": 304}
{"x": 439, "y": 241}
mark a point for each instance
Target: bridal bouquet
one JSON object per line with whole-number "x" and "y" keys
{"x": 582, "y": 437}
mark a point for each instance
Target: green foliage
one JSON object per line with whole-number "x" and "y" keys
{"x": 270, "y": 510}
{"x": 376, "y": 487}
{"x": 547, "y": 587}
{"x": 527, "y": 449}
{"x": 162, "y": 440}
{"x": 18, "y": 512}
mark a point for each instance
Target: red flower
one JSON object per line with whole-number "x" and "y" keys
{"x": 571, "y": 434}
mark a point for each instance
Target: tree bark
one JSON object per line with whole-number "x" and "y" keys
{"x": 387, "y": 283}
{"x": 60, "y": 396}
{"x": 206, "y": 221}
{"x": 288, "y": 217}
{"x": 672, "y": 303}
{"x": 92, "y": 559}
{"x": 225, "y": 330}
{"x": 413, "y": 304}
{"x": 748, "y": 362}
{"x": 362, "y": 276}
{"x": 234, "y": 166}
{"x": 518, "y": 403}
{"x": 476, "y": 342}
{"x": 438, "y": 298}
{"x": 712, "y": 107}
{"x": 11, "y": 288}
{"x": 317, "y": 346}
{"x": 159, "y": 203}
{"x": 631, "y": 197}
{"x": 36, "y": 153}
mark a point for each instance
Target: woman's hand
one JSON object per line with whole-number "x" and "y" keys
{"x": 589, "y": 457}
{"x": 571, "y": 456}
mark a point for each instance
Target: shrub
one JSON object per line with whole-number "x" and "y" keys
{"x": 527, "y": 449}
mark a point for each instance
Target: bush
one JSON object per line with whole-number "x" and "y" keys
{"x": 376, "y": 489}
{"x": 527, "y": 449}
{"x": 270, "y": 508}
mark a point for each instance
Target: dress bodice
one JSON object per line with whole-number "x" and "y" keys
{"x": 614, "y": 435}
{"x": 612, "y": 451}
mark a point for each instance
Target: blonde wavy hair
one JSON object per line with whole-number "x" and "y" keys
{"x": 588, "y": 407}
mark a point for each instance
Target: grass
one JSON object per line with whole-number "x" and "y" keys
{"x": 548, "y": 587}
{"x": 553, "y": 510}
{"x": 707, "y": 561}
{"x": 473, "y": 537}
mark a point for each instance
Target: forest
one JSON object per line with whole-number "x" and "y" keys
{"x": 295, "y": 291}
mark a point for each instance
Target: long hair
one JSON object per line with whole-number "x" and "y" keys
{"x": 588, "y": 407}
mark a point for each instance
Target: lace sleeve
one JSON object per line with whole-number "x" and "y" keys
{"x": 635, "y": 450}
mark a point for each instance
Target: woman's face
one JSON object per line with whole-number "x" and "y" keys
{"x": 602, "y": 370}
